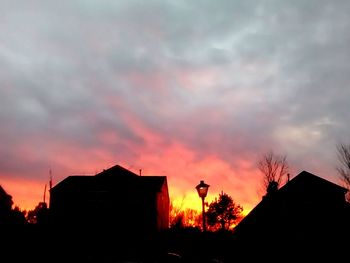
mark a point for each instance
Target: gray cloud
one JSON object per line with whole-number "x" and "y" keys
{"x": 226, "y": 78}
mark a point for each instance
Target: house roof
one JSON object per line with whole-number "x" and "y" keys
{"x": 116, "y": 175}
{"x": 116, "y": 170}
{"x": 303, "y": 184}
{"x": 73, "y": 181}
{"x": 311, "y": 180}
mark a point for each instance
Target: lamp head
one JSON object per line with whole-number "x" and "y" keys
{"x": 202, "y": 189}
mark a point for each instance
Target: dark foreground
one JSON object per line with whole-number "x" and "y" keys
{"x": 33, "y": 243}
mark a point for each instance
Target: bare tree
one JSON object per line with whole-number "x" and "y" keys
{"x": 39, "y": 215}
{"x": 176, "y": 215}
{"x": 343, "y": 154}
{"x": 182, "y": 218}
{"x": 274, "y": 168}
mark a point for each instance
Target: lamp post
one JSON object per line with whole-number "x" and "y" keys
{"x": 202, "y": 189}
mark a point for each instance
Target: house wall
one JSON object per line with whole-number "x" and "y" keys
{"x": 163, "y": 208}
{"x": 123, "y": 211}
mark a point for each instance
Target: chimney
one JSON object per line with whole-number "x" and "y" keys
{"x": 272, "y": 187}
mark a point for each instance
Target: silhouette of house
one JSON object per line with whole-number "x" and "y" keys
{"x": 307, "y": 212}
{"x": 116, "y": 198}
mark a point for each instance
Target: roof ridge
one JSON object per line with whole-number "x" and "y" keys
{"x": 306, "y": 173}
{"x": 117, "y": 166}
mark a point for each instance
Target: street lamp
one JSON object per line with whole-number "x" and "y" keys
{"x": 202, "y": 190}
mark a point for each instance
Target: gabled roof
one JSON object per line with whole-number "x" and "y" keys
{"x": 73, "y": 181}
{"x": 116, "y": 175}
{"x": 304, "y": 184}
{"x": 116, "y": 170}
{"x": 309, "y": 180}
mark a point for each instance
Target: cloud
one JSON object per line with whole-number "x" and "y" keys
{"x": 185, "y": 89}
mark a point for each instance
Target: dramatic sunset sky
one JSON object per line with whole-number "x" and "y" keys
{"x": 193, "y": 90}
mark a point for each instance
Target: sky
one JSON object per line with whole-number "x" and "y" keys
{"x": 191, "y": 90}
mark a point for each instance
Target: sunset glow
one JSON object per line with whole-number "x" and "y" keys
{"x": 171, "y": 89}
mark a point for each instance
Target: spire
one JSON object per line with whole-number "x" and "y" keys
{"x": 44, "y": 194}
{"x": 50, "y": 182}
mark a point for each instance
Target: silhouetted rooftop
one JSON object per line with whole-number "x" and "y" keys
{"x": 116, "y": 170}
{"x": 115, "y": 174}
{"x": 310, "y": 180}
{"x": 304, "y": 189}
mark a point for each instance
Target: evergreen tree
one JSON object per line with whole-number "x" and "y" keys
{"x": 223, "y": 213}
